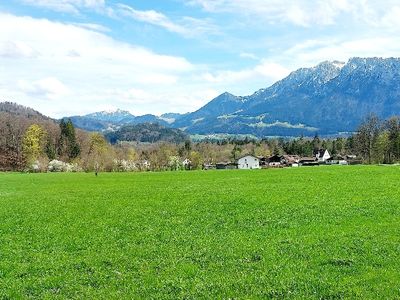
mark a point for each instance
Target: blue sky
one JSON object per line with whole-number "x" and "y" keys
{"x": 67, "y": 57}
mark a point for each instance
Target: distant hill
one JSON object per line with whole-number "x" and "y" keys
{"x": 113, "y": 116}
{"x": 15, "y": 109}
{"x": 112, "y": 120}
{"x": 146, "y": 133}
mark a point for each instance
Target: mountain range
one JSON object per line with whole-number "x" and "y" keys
{"x": 329, "y": 99}
{"x": 113, "y": 120}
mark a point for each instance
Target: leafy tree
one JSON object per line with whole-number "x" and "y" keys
{"x": 132, "y": 154}
{"x": 350, "y": 144}
{"x": 33, "y": 143}
{"x": 262, "y": 150}
{"x": 235, "y": 153}
{"x": 366, "y": 137}
{"x": 196, "y": 160}
{"x": 381, "y": 148}
{"x": 340, "y": 144}
{"x": 334, "y": 149}
{"x": 98, "y": 151}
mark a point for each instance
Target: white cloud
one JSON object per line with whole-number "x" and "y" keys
{"x": 50, "y": 88}
{"x": 76, "y": 70}
{"x": 297, "y": 12}
{"x": 16, "y": 49}
{"x": 311, "y": 52}
{"x": 152, "y": 17}
{"x": 94, "y": 27}
{"x": 187, "y": 26}
{"x": 392, "y": 18}
{"x": 305, "y": 13}
{"x": 266, "y": 71}
{"x": 74, "y": 66}
{"x": 68, "y": 6}
{"x": 249, "y": 55}
{"x": 272, "y": 70}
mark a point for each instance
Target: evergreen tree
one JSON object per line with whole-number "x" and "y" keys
{"x": 68, "y": 145}
{"x": 50, "y": 149}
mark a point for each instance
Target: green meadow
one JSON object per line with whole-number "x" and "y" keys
{"x": 304, "y": 233}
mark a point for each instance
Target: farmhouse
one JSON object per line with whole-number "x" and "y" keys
{"x": 290, "y": 160}
{"x": 248, "y": 162}
{"x": 275, "y": 161}
{"x": 322, "y": 155}
{"x": 263, "y": 161}
{"x": 308, "y": 161}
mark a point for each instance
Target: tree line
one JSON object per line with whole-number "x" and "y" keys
{"x": 33, "y": 143}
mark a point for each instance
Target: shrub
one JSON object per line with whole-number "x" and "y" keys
{"x": 57, "y": 166}
{"x": 122, "y": 165}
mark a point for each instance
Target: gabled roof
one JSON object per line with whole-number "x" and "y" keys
{"x": 291, "y": 158}
{"x": 307, "y": 159}
{"x": 243, "y": 156}
{"x": 320, "y": 152}
{"x": 275, "y": 158}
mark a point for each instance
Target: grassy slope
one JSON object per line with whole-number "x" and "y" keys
{"x": 328, "y": 232}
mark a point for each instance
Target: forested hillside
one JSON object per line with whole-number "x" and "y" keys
{"x": 147, "y": 133}
{"x": 14, "y": 122}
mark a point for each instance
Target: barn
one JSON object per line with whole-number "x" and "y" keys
{"x": 248, "y": 162}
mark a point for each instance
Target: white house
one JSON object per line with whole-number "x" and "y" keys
{"x": 248, "y": 162}
{"x": 322, "y": 155}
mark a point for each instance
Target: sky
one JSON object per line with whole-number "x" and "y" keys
{"x": 73, "y": 57}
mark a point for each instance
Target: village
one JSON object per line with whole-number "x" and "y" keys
{"x": 249, "y": 162}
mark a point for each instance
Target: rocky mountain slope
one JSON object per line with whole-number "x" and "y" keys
{"x": 330, "y": 98}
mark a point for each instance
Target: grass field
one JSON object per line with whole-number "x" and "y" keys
{"x": 310, "y": 233}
